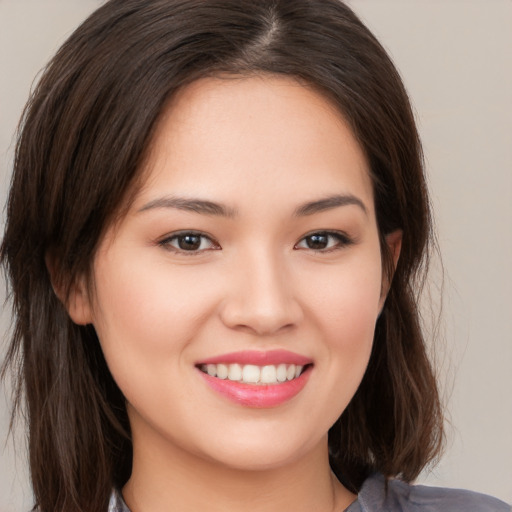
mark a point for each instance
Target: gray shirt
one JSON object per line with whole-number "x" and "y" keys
{"x": 399, "y": 497}
{"x": 402, "y": 497}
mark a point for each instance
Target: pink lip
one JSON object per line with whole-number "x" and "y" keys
{"x": 259, "y": 358}
{"x": 255, "y": 395}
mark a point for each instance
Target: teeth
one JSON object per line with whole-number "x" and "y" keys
{"x": 235, "y": 372}
{"x": 222, "y": 371}
{"x": 268, "y": 375}
{"x": 252, "y": 374}
{"x": 281, "y": 373}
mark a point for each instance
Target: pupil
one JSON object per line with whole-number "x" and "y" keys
{"x": 189, "y": 242}
{"x": 317, "y": 241}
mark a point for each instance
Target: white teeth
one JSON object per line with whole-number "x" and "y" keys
{"x": 235, "y": 372}
{"x": 290, "y": 372}
{"x": 222, "y": 371}
{"x": 268, "y": 374}
{"x": 252, "y": 374}
{"x": 281, "y": 373}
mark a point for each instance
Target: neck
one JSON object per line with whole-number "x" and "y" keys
{"x": 168, "y": 479}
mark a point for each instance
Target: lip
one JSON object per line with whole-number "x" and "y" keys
{"x": 259, "y": 358}
{"x": 257, "y": 395}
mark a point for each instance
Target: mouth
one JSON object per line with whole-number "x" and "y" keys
{"x": 253, "y": 374}
{"x": 257, "y": 379}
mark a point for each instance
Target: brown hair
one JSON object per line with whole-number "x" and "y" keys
{"x": 82, "y": 141}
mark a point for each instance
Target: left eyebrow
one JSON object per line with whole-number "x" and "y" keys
{"x": 328, "y": 203}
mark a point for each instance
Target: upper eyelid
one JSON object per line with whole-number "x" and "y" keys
{"x": 326, "y": 232}
{"x": 332, "y": 232}
{"x": 182, "y": 232}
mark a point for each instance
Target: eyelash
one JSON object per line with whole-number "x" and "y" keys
{"x": 341, "y": 240}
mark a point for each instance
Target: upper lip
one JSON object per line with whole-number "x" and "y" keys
{"x": 259, "y": 358}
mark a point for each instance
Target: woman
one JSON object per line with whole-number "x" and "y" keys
{"x": 216, "y": 230}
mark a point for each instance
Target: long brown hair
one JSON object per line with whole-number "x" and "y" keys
{"x": 82, "y": 141}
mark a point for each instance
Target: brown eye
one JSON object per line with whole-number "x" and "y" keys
{"x": 324, "y": 241}
{"x": 189, "y": 242}
{"x": 318, "y": 241}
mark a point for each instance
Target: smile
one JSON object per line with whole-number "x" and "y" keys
{"x": 257, "y": 379}
{"x": 253, "y": 374}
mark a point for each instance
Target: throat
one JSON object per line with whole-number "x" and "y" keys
{"x": 180, "y": 483}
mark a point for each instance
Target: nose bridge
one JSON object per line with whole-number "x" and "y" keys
{"x": 262, "y": 299}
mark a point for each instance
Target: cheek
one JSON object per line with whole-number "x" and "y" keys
{"x": 147, "y": 318}
{"x": 350, "y": 333}
{"x": 344, "y": 306}
{"x": 139, "y": 291}
{"x": 147, "y": 311}
{"x": 346, "y": 299}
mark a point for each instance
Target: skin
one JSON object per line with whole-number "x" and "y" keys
{"x": 261, "y": 147}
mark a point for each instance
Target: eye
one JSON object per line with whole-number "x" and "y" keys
{"x": 188, "y": 242}
{"x": 324, "y": 241}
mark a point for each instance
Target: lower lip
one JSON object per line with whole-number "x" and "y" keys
{"x": 258, "y": 395}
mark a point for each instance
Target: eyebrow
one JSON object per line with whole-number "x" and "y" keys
{"x": 190, "y": 205}
{"x": 205, "y": 207}
{"x": 328, "y": 203}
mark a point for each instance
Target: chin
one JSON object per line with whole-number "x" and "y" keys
{"x": 255, "y": 461}
{"x": 264, "y": 453}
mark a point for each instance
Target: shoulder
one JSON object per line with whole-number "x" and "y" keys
{"x": 398, "y": 496}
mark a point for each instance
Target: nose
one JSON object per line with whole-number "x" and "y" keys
{"x": 261, "y": 298}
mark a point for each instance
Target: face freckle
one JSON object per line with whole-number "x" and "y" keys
{"x": 253, "y": 243}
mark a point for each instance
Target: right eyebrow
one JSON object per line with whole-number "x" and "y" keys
{"x": 328, "y": 203}
{"x": 195, "y": 205}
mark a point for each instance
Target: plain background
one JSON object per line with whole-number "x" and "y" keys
{"x": 456, "y": 59}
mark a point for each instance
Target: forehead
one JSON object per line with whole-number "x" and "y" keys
{"x": 249, "y": 138}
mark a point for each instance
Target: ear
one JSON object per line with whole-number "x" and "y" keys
{"x": 78, "y": 303}
{"x": 74, "y": 297}
{"x": 394, "y": 244}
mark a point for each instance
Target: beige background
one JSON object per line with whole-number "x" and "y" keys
{"x": 456, "y": 59}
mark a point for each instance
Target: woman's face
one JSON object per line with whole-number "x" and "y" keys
{"x": 236, "y": 301}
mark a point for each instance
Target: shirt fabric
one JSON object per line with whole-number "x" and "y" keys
{"x": 398, "y": 497}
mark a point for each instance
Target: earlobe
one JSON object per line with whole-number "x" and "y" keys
{"x": 74, "y": 297}
{"x": 78, "y": 304}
